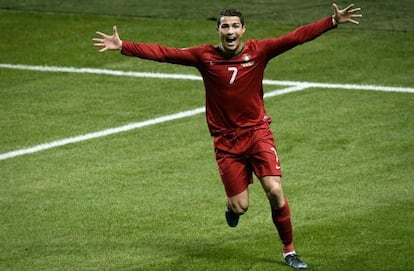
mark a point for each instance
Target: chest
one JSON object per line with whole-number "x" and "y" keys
{"x": 244, "y": 69}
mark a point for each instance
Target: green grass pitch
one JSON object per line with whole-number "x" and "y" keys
{"x": 151, "y": 198}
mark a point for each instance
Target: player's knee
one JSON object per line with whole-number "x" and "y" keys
{"x": 239, "y": 203}
{"x": 275, "y": 192}
{"x": 240, "y": 207}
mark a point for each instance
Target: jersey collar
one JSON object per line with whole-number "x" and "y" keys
{"x": 229, "y": 55}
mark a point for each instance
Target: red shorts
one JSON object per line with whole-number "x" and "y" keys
{"x": 243, "y": 152}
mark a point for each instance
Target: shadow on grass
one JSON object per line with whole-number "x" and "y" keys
{"x": 225, "y": 253}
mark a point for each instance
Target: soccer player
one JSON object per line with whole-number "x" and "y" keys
{"x": 232, "y": 72}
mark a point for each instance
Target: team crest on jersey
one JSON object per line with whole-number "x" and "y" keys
{"x": 248, "y": 63}
{"x": 246, "y": 57}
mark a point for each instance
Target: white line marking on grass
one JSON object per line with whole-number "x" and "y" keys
{"x": 198, "y": 78}
{"x": 103, "y": 133}
{"x": 284, "y": 91}
{"x": 293, "y": 86}
{"x": 127, "y": 127}
{"x": 339, "y": 86}
{"x": 101, "y": 71}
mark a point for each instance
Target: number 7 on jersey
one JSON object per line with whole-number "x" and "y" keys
{"x": 233, "y": 76}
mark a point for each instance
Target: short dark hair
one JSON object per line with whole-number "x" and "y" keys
{"x": 230, "y": 12}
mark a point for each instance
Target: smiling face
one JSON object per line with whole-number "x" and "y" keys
{"x": 231, "y": 30}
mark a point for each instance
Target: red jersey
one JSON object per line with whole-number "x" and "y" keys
{"x": 233, "y": 86}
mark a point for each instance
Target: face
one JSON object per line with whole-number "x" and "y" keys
{"x": 230, "y": 33}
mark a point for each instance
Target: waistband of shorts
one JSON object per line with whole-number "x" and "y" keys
{"x": 242, "y": 131}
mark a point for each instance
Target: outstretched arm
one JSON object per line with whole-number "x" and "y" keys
{"x": 345, "y": 15}
{"x": 108, "y": 42}
{"x": 156, "y": 52}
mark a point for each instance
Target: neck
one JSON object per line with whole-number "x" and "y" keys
{"x": 227, "y": 53}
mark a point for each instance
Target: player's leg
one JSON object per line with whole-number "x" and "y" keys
{"x": 266, "y": 165}
{"x": 236, "y": 179}
{"x": 272, "y": 186}
{"x": 280, "y": 210}
{"x": 236, "y": 176}
{"x": 239, "y": 203}
{"x": 236, "y": 206}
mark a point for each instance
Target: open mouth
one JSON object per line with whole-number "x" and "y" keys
{"x": 230, "y": 40}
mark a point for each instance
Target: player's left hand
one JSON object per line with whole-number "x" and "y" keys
{"x": 346, "y": 15}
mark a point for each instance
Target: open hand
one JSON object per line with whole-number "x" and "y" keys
{"x": 346, "y": 15}
{"x": 108, "y": 42}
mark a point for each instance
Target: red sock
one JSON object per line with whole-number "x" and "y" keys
{"x": 281, "y": 219}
